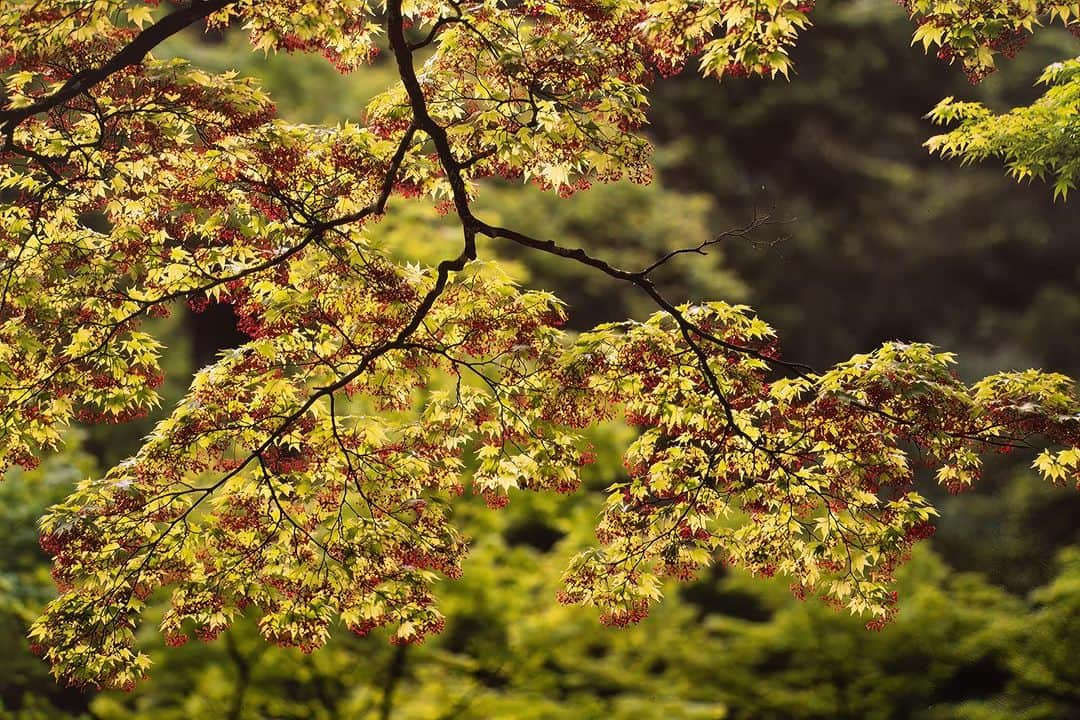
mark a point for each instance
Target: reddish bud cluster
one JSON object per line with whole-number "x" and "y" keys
{"x": 494, "y": 500}
{"x": 622, "y": 617}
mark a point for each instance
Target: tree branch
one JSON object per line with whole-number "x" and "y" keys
{"x": 131, "y": 54}
{"x": 641, "y": 279}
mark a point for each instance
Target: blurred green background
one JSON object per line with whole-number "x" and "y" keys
{"x": 873, "y": 240}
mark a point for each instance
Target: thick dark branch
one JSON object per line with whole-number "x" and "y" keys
{"x": 688, "y": 329}
{"x": 453, "y": 167}
{"x": 131, "y": 54}
{"x": 553, "y": 248}
{"x": 435, "y": 28}
{"x": 403, "y": 56}
{"x": 44, "y": 162}
{"x": 387, "y": 188}
{"x": 641, "y": 279}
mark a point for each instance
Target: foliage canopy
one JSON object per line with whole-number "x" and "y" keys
{"x": 311, "y": 472}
